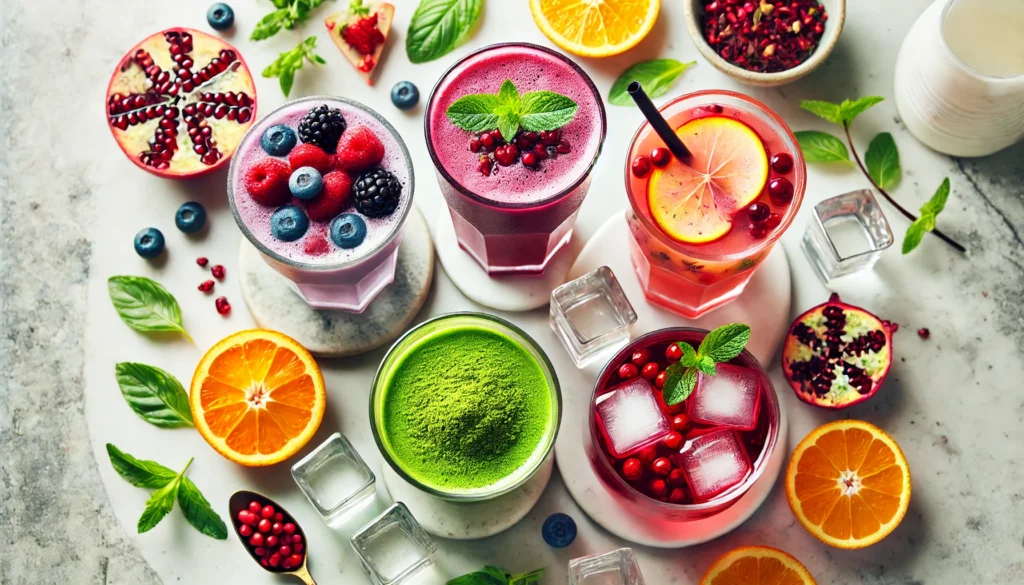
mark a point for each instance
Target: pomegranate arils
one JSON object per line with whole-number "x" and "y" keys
{"x": 206, "y": 286}
{"x": 627, "y": 371}
{"x": 218, "y": 272}
{"x": 223, "y": 306}
{"x": 924, "y": 333}
{"x": 506, "y": 155}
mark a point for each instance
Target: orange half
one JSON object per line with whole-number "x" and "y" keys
{"x": 595, "y": 28}
{"x": 695, "y": 203}
{"x": 257, "y": 397}
{"x": 757, "y": 565}
{"x": 848, "y": 484}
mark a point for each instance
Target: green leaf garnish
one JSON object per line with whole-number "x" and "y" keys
{"x": 821, "y": 147}
{"x": 144, "y": 305}
{"x": 841, "y": 114}
{"x": 926, "y": 223}
{"x": 883, "y": 161}
{"x": 161, "y": 502}
{"x": 546, "y": 110}
{"x": 289, "y": 13}
{"x": 289, "y": 62}
{"x": 357, "y": 8}
{"x": 689, "y": 354}
{"x": 438, "y": 26}
{"x": 507, "y": 111}
{"x": 155, "y": 395}
{"x": 139, "y": 472}
{"x": 656, "y": 75}
{"x": 526, "y": 578}
{"x": 725, "y": 343}
{"x": 718, "y": 346}
{"x": 494, "y": 576}
{"x": 198, "y": 511}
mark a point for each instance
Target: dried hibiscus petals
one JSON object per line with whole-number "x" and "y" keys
{"x": 765, "y": 37}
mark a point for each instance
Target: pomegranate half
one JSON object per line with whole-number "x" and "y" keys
{"x": 179, "y": 103}
{"x": 837, "y": 355}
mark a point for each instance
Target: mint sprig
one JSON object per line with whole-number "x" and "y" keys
{"x": 508, "y": 110}
{"x": 494, "y": 576}
{"x": 289, "y": 62}
{"x": 289, "y": 14}
{"x": 718, "y": 346}
{"x": 926, "y": 223}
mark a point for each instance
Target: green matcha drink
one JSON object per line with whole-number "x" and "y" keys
{"x": 466, "y": 405}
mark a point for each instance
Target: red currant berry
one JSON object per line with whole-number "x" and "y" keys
{"x": 245, "y": 530}
{"x": 277, "y": 528}
{"x": 674, "y": 440}
{"x": 641, "y": 166}
{"x": 295, "y": 560}
{"x": 659, "y": 380}
{"x": 780, "y": 190}
{"x": 658, "y": 487}
{"x": 676, "y": 478}
{"x": 681, "y": 423}
{"x": 256, "y": 539}
{"x": 647, "y": 455}
{"x": 758, "y": 212}
{"x": 661, "y": 466}
{"x": 650, "y": 370}
{"x": 677, "y": 496}
{"x": 255, "y": 507}
{"x": 632, "y": 468}
{"x": 782, "y": 163}
{"x": 267, "y": 512}
{"x": 673, "y": 353}
{"x": 640, "y": 357}
{"x": 274, "y": 560}
{"x": 627, "y": 371}
{"x": 773, "y": 221}
{"x": 271, "y": 541}
{"x": 289, "y": 528}
{"x": 660, "y": 156}
{"x": 264, "y": 525}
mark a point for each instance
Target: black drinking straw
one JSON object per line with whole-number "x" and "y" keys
{"x": 658, "y": 123}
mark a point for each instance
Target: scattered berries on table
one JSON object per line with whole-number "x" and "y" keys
{"x": 267, "y": 181}
{"x": 363, "y": 34}
{"x": 288, "y": 223}
{"x": 206, "y": 286}
{"x": 322, "y": 126}
{"x": 149, "y": 243}
{"x": 310, "y": 155}
{"x": 218, "y": 271}
{"x": 376, "y": 193}
{"x": 202, "y": 261}
{"x": 359, "y": 149}
{"x": 559, "y": 530}
{"x": 405, "y": 95}
{"x": 305, "y": 183}
{"x": 224, "y": 307}
{"x": 924, "y": 333}
{"x": 220, "y": 16}
{"x": 348, "y": 230}
{"x": 190, "y": 217}
{"x": 278, "y": 140}
{"x": 334, "y": 197}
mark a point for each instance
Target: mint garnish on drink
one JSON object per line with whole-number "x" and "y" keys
{"x": 507, "y": 111}
{"x": 720, "y": 345}
{"x": 494, "y": 576}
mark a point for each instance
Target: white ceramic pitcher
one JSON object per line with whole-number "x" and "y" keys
{"x": 960, "y": 76}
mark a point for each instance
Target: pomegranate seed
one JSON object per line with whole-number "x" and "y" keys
{"x": 271, "y": 541}
{"x": 487, "y": 140}
{"x": 266, "y": 512}
{"x": 661, "y": 466}
{"x": 780, "y": 190}
{"x": 223, "y": 306}
{"x": 295, "y": 560}
{"x": 564, "y": 147}
{"x": 218, "y": 272}
{"x": 758, "y": 212}
{"x": 255, "y": 507}
{"x": 640, "y": 357}
{"x": 660, "y": 156}
{"x": 297, "y": 547}
{"x": 277, "y": 528}
{"x": 264, "y": 525}
{"x": 206, "y": 286}
{"x": 274, "y": 560}
{"x": 506, "y": 155}
{"x": 632, "y": 468}
{"x": 285, "y": 550}
{"x": 541, "y": 151}
{"x": 627, "y": 371}
{"x": 485, "y": 164}
{"x": 256, "y": 539}
{"x": 474, "y": 144}
{"x": 674, "y": 440}
{"x": 278, "y": 517}
{"x": 531, "y": 159}
{"x": 924, "y": 333}
{"x": 650, "y": 370}
{"x": 647, "y": 455}
{"x": 782, "y": 162}
{"x": 758, "y": 230}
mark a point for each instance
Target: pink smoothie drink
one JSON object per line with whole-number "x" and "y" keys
{"x": 325, "y": 275}
{"x": 513, "y": 219}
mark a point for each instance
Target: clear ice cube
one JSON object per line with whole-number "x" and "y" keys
{"x": 729, "y": 399}
{"x": 618, "y": 567}
{"x": 393, "y": 547}
{"x": 713, "y": 463}
{"x": 630, "y": 417}
{"x": 335, "y": 478}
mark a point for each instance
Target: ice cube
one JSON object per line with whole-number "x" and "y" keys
{"x": 713, "y": 463}
{"x": 630, "y": 417}
{"x": 729, "y": 399}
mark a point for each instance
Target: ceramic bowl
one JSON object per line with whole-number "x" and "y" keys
{"x": 834, "y": 26}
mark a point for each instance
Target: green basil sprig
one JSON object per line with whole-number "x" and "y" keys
{"x": 155, "y": 395}
{"x": 438, "y": 26}
{"x": 144, "y": 305}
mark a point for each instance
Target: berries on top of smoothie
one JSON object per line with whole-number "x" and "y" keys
{"x": 323, "y": 127}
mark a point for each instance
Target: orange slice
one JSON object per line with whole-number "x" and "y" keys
{"x": 848, "y": 483}
{"x": 729, "y": 169}
{"x": 757, "y": 565}
{"x": 257, "y": 397}
{"x": 595, "y": 28}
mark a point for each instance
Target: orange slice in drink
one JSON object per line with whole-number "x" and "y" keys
{"x": 848, "y": 484}
{"x": 257, "y": 397}
{"x": 595, "y": 28}
{"x": 696, "y": 203}
{"x": 757, "y": 565}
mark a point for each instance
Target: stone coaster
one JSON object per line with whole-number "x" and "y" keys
{"x": 468, "y": 521}
{"x": 274, "y": 304}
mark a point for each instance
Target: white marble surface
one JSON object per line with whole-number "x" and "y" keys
{"x": 71, "y": 204}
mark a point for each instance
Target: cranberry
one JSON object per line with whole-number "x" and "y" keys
{"x": 218, "y": 272}
{"x": 659, "y": 380}
{"x": 627, "y": 371}
{"x": 661, "y": 466}
{"x": 773, "y": 221}
{"x": 259, "y": 551}
{"x": 289, "y": 528}
{"x": 641, "y": 166}
{"x": 563, "y": 147}
{"x": 285, "y": 550}
{"x": 264, "y": 525}
{"x": 271, "y": 541}
{"x": 223, "y": 306}
{"x": 632, "y": 468}
{"x": 650, "y": 370}
{"x": 758, "y": 212}
{"x": 658, "y": 488}
{"x": 924, "y": 333}
{"x": 206, "y": 286}
{"x": 647, "y": 455}
{"x": 278, "y": 517}
{"x": 277, "y": 528}
{"x": 255, "y": 507}
{"x": 256, "y": 539}
{"x": 202, "y": 261}
{"x": 640, "y": 357}
{"x": 274, "y": 560}
{"x": 782, "y": 162}
{"x": 531, "y": 159}
{"x": 680, "y": 422}
{"x": 506, "y": 155}
{"x": 487, "y": 140}
{"x": 660, "y": 156}
{"x": 245, "y": 530}
{"x": 674, "y": 440}
{"x": 676, "y": 478}
{"x": 673, "y": 353}
{"x": 295, "y": 560}
{"x": 677, "y": 496}
{"x": 780, "y": 190}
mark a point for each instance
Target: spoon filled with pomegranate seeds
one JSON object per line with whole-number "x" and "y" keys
{"x": 270, "y": 534}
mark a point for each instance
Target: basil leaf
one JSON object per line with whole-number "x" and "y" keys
{"x": 706, "y": 365}
{"x": 546, "y": 110}
{"x": 438, "y": 26}
{"x": 680, "y": 390}
{"x": 495, "y": 572}
{"x": 474, "y": 112}
{"x": 689, "y": 354}
{"x": 725, "y": 342}
{"x": 526, "y": 578}
{"x": 139, "y": 472}
{"x": 850, "y": 110}
{"x": 144, "y": 305}
{"x": 937, "y": 203}
{"x": 160, "y": 504}
{"x": 269, "y": 25}
{"x": 915, "y": 233}
{"x": 824, "y": 110}
{"x": 155, "y": 395}
{"x": 198, "y": 511}
{"x": 478, "y": 578}
{"x": 821, "y": 147}
{"x": 656, "y": 75}
{"x": 883, "y": 161}
{"x": 508, "y": 125}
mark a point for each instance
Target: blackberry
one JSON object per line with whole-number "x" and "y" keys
{"x": 376, "y": 193}
{"x": 323, "y": 127}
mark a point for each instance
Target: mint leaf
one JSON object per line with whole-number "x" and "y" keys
{"x": 883, "y": 161}
{"x": 682, "y": 385}
{"x": 155, "y": 395}
{"x": 161, "y": 502}
{"x": 706, "y": 365}
{"x": 438, "y": 26}
{"x": 198, "y": 511}
{"x": 689, "y": 354}
{"x": 821, "y": 147}
{"x": 937, "y": 203}
{"x": 926, "y": 223}
{"x": 849, "y": 110}
{"x": 139, "y": 472}
{"x": 526, "y": 578}
{"x": 478, "y": 578}
{"x": 270, "y": 25}
{"x": 357, "y": 8}
{"x": 824, "y": 110}
{"x": 656, "y": 75}
{"x": 546, "y": 110}
{"x": 915, "y": 233}
{"x": 509, "y": 101}
{"x": 474, "y": 112}
{"x": 725, "y": 342}
{"x": 508, "y": 125}
{"x": 289, "y": 62}
{"x": 144, "y": 305}
{"x": 496, "y": 572}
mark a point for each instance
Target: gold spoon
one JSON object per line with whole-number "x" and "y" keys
{"x": 240, "y": 501}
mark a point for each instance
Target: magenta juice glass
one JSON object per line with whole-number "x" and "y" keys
{"x": 512, "y": 219}
{"x": 687, "y": 461}
{"x": 325, "y": 274}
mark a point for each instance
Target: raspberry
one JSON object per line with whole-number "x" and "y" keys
{"x": 363, "y": 35}
{"x": 335, "y": 196}
{"x": 316, "y": 244}
{"x": 267, "y": 182}
{"x": 359, "y": 149}
{"x": 310, "y": 155}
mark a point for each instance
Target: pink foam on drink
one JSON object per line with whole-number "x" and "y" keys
{"x": 729, "y": 399}
{"x": 257, "y": 217}
{"x": 713, "y": 463}
{"x": 530, "y": 70}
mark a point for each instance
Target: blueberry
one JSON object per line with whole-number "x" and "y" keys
{"x": 305, "y": 182}
{"x": 149, "y": 243}
{"x": 404, "y": 95}
{"x": 289, "y": 223}
{"x": 559, "y": 530}
{"x": 191, "y": 217}
{"x": 348, "y": 230}
{"x": 220, "y": 16}
{"x": 278, "y": 140}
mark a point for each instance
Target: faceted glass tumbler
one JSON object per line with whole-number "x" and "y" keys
{"x": 591, "y": 315}
{"x": 393, "y": 547}
{"x": 335, "y": 478}
{"x": 618, "y": 567}
{"x": 847, "y": 234}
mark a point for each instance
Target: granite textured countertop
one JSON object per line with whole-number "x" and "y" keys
{"x": 954, "y": 401}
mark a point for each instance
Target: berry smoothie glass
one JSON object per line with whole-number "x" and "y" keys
{"x": 698, "y": 233}
{"x": 687, "y": 461}
{"x": 513, "y": 209}
{"x": 349, "y": 251}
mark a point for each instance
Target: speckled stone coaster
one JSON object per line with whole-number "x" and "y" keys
{"x": 275, "y": 305}
{"x": 473, "y": 520}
